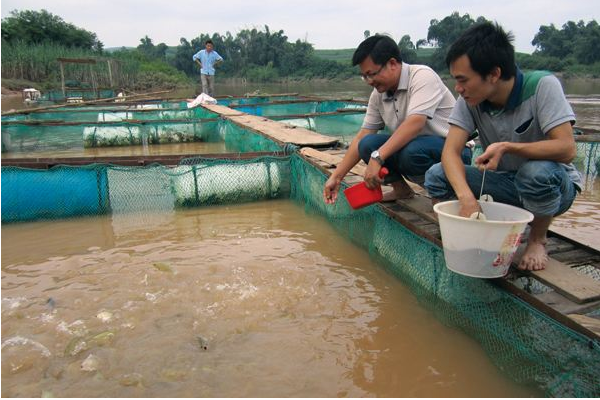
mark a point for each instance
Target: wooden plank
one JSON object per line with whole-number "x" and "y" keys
{"x": 358, "y": 169}
{"x": 175, "y": 159}
{"x": 593, "y": 324}
{"x": 544, "y": 307}
{"x": 563, "y": 305}
{"x": 330, "y": 159}
{"x": 222, "y": 110}
{"x": 579, "y": 288}
{"x": 420, "y": 205}
{"x": 576, "y": 257}
{"x": 283, "y": 133}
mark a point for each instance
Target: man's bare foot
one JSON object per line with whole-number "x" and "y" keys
{"x": 392, "y": 195}
{"x": 535, "y": 256}
{"x": 401, "y": 190}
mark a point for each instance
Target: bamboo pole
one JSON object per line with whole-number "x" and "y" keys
{"x": 62, "y": 79}
{"x": 32, "y": 110}
{"x": 110, "y": 79}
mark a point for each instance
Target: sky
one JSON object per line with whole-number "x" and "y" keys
{"x": 327, "y": 24}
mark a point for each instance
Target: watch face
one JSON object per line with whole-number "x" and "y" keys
{"x": 375, "y": 154}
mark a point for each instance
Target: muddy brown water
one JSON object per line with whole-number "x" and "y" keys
{"x": 254, "y": 300}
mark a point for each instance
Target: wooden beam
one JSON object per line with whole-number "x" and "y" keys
{"x": 28, "y": 111}
{"x": 62, "y": 78}
{"x": 576, "y": 287}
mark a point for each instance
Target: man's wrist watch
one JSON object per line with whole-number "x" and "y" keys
{"x": 377, "y": 157}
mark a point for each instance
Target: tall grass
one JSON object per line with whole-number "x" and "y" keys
{"x": 38, "y": 63}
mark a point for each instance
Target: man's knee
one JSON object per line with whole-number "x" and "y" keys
{"x": 436, "y": 182}
{"x": 539, "y": 177}
{"x": 367, "y": 145}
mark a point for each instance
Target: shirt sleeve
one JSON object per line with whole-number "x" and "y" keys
{"x": 461, "y": 116}
{"x": 196, "y": 56}
{"x": 373, "y": 119}
{"x": 425, "y": 93}
{"x": 553, "y": 109}
{"x": 219, "y": 58}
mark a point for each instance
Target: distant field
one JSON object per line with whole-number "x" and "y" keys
{"x": 340, "y": 55}
{"x": 345, "y": 55}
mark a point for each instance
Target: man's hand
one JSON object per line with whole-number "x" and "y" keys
{"x": 331, "y": 189}
{"x": 468, "y": 206}
{"x": 491, "y": 156}
{"x": 372, "y": 179}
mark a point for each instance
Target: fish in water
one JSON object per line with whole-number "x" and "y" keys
{"x": 51, "y": 303}
{"x": 203, "y": 342}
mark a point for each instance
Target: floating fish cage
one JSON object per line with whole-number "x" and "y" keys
{"x": 299, "y": 107}
{"x": 524, "y": 343}
{"x": 30, "y": 138}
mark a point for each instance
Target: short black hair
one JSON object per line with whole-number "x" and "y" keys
{"x": 488, "y": 46}
{"x": 381, "y": 48}
{"x": 209, "y": 41}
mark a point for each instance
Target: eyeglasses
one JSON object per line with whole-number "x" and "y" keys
{"x": 370, "y": 76}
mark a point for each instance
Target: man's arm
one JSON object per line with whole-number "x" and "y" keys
{"x": 559, "y": 146}
{"x": 454, "y": 168}
{"x": 351, "y": 158}
{"x": 196, "y": 58}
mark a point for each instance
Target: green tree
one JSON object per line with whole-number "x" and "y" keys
{"x": 577, "y": 40}
{"x": 152, "y": 52}
{"x": 443, "y": 33}
{"x": 587, "y": 45}
{"x": 420, "y": 43}
{"x": 35, "y": 27}
{"x": 407, "y": 49}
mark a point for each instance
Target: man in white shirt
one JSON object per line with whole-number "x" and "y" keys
{"x": 413, "y": 103}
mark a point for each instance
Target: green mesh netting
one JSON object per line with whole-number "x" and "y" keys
{"x": 238, "y": 139}
{"x": 254, "y": 100}
{"x": 57, "y": 95}
{"x": 66, "y": 191}
{"x": 116, "y": 105}
{"x": 525, "y": 344}
{"x": 30, "y": 139}
{"x": 309, "y": 107}
{"x": 114, "y": 113}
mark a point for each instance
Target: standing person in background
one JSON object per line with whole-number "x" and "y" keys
{"x": 207, "y": 59}
{"x": 525, "y": 128}
{"x": 414, "y": 104}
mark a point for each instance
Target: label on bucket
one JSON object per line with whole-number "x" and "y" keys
{"x": 509, "y": 247}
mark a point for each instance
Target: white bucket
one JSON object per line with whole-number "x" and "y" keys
{"x": 481, "y": 248}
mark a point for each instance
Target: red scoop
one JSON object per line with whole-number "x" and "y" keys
{"x": 360, "y": 195}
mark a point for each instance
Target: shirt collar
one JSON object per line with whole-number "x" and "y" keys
{"x": 513, "y": 100}
{"x": 402, "y": 83}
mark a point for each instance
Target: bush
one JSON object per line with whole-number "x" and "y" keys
{"x": 157, "y": 79}
{"x": 262, "y": 73}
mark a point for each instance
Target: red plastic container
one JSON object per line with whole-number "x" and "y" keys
{"x": 360, "y": 195}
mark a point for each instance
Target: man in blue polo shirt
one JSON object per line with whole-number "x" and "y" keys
{"x": 525, "y": 127}
{"x": 207, "y": 59}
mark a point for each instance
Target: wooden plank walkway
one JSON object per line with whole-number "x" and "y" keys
{"x": 282, "y": 133}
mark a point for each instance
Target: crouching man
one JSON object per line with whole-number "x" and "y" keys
{"x": 525, "y": 128}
